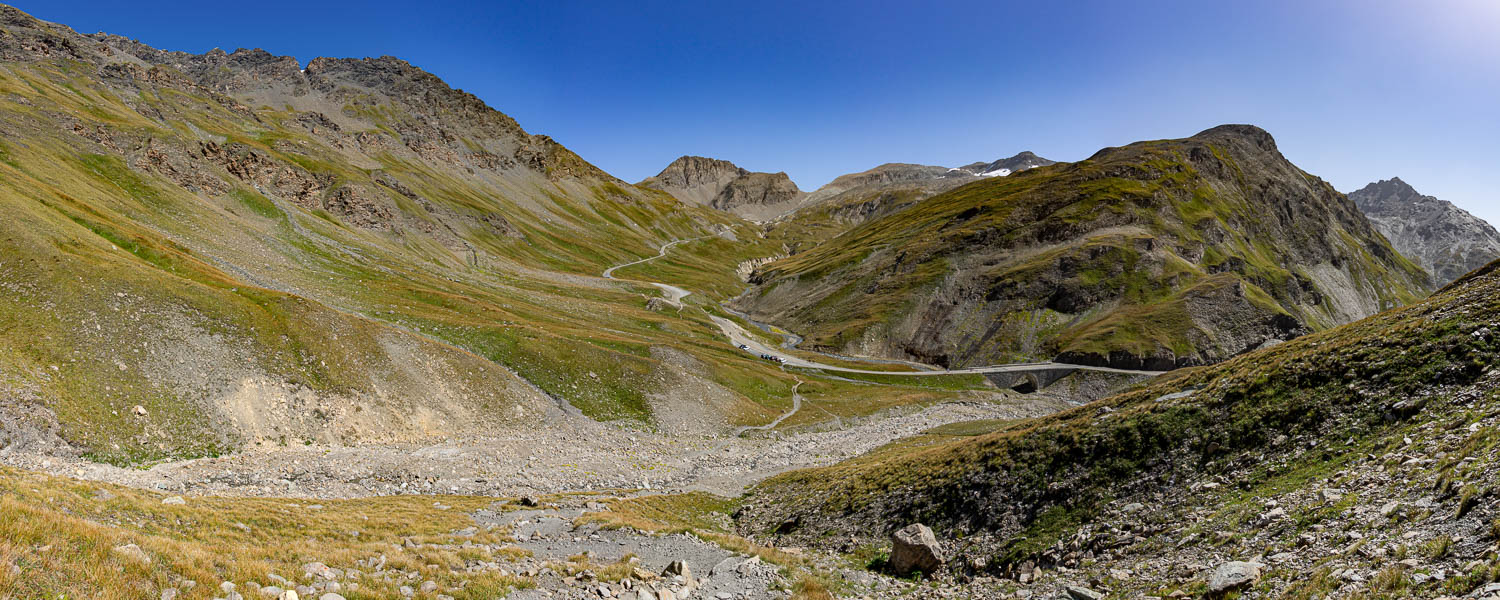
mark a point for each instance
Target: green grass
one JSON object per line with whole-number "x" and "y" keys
{"x": 1051, "y": 474}
{"x": 257, "y": 203}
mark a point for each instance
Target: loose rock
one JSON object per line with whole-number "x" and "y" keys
{"x": 1231, "y": 575}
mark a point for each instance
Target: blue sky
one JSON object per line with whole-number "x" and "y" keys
{"x": 1354, "y": 91}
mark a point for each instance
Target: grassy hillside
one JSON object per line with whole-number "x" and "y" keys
{"x": 256, "y": 254}
{"x": 1397, "y": 406}
{"x": 1162, "y": 254}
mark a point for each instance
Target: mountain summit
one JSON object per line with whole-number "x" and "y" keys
{"x": 695, "y": 179}
{"x": 1442, "y": 238}
{"x": 723, "y": 185}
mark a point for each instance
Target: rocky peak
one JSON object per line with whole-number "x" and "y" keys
{"x": 24, "y": 38}
{"x": 11, "y": 16}
{"x": 431, "y": 118}
{"x": 1388, "y": 195}
{"x": 723, "y": 185}
{"x": 1442, "y": 238}
{"x": 695, "y": 171}
{"x": 244, "y": 70}
{"x": 889, "y": 175}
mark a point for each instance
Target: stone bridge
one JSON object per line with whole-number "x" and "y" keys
{"x": 1030, "y": 380}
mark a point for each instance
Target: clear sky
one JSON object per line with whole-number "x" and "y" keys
{"x": 1354, "y": 91}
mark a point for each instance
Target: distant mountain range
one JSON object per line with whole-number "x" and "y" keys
{"x": 765, "y": 196}
{"x": 1442, "y": 238}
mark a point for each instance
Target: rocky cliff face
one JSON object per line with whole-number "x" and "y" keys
{"x": 758, "y": 196}
{"x": 723, "y": 185}
{"x": 1444, "y": 239}
{"x": 1154, "y": 255}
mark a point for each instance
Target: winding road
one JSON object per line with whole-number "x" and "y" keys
{"x": 674, "y": 294}
{"x": 739, "y": 337}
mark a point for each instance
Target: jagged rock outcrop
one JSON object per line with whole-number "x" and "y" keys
{"x": 1154, "y": 255}
{"x": 1442, "y": 238}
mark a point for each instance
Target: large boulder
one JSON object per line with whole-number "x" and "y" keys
{"x": 914, "y": 548}
{"x": 1234, "y": 574}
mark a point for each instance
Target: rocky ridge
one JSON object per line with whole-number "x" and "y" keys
{"x": 1444, "y": 239}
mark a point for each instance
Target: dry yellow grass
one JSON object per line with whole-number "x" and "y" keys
{"x": 57, "y": 540}
{"x": 810, "y": 588}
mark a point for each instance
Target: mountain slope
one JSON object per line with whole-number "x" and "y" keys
{"x": 724, "y": 186}
{"x": 1157, "y": 254}
{"x": 1444, "y": 239}
{"x": 1328, "y": 458}
{"x": 854, "y": 198}
{"x": 257, "y": 255}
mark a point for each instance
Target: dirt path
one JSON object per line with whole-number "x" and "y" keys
{"x": 672, "y": 294}
{"x": 796, "y": 406}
